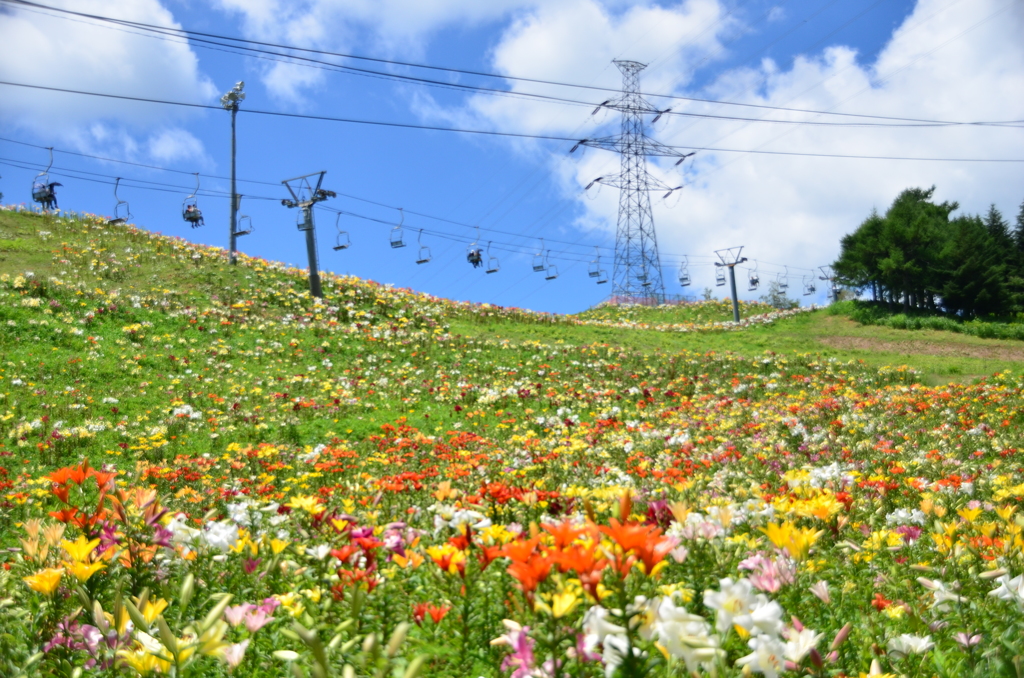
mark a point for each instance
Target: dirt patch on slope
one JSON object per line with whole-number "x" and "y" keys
{"x": 958, "y": 350}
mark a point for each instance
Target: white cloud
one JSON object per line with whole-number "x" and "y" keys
{"x": 390, "y": 27}
{"x": 170, "y": 145}
{"x": 74, "y": 54}
{"x": 963, "y": 61}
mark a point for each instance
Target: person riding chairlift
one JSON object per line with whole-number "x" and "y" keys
{"x": 193, "y": 215}
{"x": 475, "y": 257}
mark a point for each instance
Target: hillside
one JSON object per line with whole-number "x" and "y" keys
{"x": 384, "y": 482}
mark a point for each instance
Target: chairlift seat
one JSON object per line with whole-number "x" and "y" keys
{"x": 244, "y": 226}
{"x": 396, "y": 238}
{"x": 41, "y": 192}
{"x": 423, "y": 257}
{"x": 492, "y": 265}
{"x": 538, "y": 264}
{"x": 552, "y": 273}
{"x": 602, "y": 277}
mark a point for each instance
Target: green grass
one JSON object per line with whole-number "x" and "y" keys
{"x": 125, "y": 260}
{"x": 953, "y": 357}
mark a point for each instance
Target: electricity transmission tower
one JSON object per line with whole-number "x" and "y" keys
{"x": 637, "y": 272}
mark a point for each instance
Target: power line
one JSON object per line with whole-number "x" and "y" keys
{"x": 204, "y": 38}
{"x": 516, "y": 135}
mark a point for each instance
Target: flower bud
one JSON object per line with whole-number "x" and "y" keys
{"x": 841, "y": 636}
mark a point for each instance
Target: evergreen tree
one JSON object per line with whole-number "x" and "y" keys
{"x": 914, "y": 233}
{"x": 975, "y": 273}
{"x": 1018, "y": 231}
{"x": 999, "y": 230}
{"x": 914, "y": 256}
{"x": 776, "y": 296}
{"x": 860, "y": 252}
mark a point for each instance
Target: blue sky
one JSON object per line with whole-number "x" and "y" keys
{"x": 932, "y": 59}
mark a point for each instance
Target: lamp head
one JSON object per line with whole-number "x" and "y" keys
{"x": 235, "y": 96}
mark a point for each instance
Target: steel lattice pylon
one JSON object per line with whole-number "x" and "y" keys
{"x": 637, "y": 271}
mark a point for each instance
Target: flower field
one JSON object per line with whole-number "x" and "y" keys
{"x": 206, "y": 472}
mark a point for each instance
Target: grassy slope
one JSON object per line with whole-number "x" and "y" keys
{"x": 939, "y": 356}
{"x": 954, "y": 357}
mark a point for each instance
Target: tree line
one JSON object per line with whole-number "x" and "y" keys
{"x": 916, "y": 257}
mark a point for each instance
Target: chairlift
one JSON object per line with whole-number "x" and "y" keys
{"x": 684, "y": 272}
{"x": 602, "y": 277}
{"x": 244, "y": 224}
{"x": 474, "y": 253}
{"x": 493, "y": 265}
{"x": 808, "y": 284}
{"x": 396, "y": 232}
{"x": 121, "y": 211}
{"x": 719, "y": 276}
{"x": 594, "y": 270}
{"x": 783, "y": 279}
{"x": 190, "y": 208}
{"x": 753, "y": 279}
{"x": 552, "y": 270}
{"x": 342, "y": 242}
{"x": 43, "y": 189}
{"x": 539, "y": 261}
{"x": 423, "y": 256}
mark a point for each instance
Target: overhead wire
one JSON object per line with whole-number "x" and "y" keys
{"x": 129, "y": 182}
{"x": 168, "y": 31}
{"x": 517, "y": 135}
{"x": 212, "y": 192}
{"x": 571, "y": 257}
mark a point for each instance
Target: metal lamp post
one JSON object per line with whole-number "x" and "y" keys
{"x": 230, "y": 102}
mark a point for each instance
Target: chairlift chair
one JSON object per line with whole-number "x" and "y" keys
{"x": 539, "y": 260}
{"x": 493, "y": 265}
{"x": 244, "y": 224}
{"x": 121, "y": 212}
{"x": 342, "y": 241}
{"x": 719, "y": 277}
{"x": 474, "y": 254}
{"x": 190, "y": 208}
{"x": 602, "y": 277}
{"x": 43, "y": 189}
{"x": 594, "y": 270}
{"x": 684, "y": 272}
{"x": 753, "y": 279}
{"x": 552, "y": 269}
{"x": 783, "y": 279}
{"x": 808, "y": 284}
{"x": 397, "y": 240}
{"x": 423, "y": 255}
